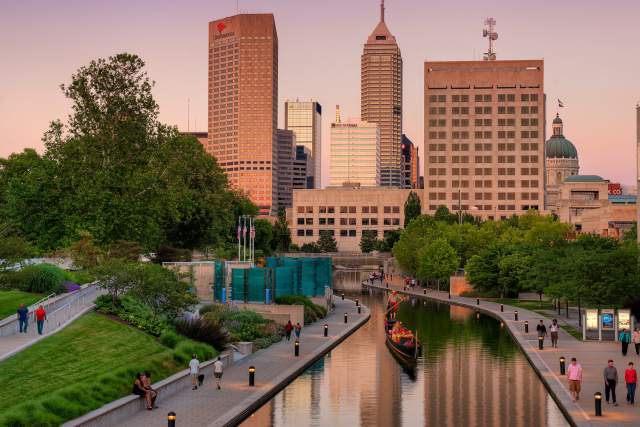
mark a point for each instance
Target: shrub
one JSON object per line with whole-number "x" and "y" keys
{"x": 186, "y": 349}
{"x": 203, "y": 330}
{"x": 312, "y": 312}
{"x": 133, "y": 312}
{"x": 169, "y": 338}
{"x": 40, "y": 278}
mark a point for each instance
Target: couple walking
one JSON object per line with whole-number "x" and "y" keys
{"x": 610, "y": 374}
{"x": 197, "y": 378}
{"x": 289, "y": 327}
{"x": 23, "y": 318}
{"x": 625, "y": 338}
{"x": 554, "y": 328}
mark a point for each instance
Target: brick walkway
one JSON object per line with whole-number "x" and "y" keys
{"x": 275, "y": 367}
{"x": 592, "y": 356}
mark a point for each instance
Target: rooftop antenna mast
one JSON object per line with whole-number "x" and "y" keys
{"x": 382, "y": 11}
{"x": 489, "y": 33}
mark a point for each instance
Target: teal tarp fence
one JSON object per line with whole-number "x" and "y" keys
{"x": 218, "y": 281}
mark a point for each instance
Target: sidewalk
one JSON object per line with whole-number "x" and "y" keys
{"x": 56, "y": 320}
{"x": 591, "y": 355}
{"x": 275, "y": 366}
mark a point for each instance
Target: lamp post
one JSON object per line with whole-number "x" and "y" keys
{"x": 477, "y": 301}
{"x": 515, "y": 315}
{"x": 171, "y": 419}
{"x": 598, "y": 403}
{"x": 502, "y": 308}
{"x": 345, "y": 318}
{"x": 359, "y": 309}
{"x": 252, "y": 376}
{"x": 562, "y": 366}
{"x": 526, "y": 326}
{"x": 296, "y": 348}
{"x": 326, "y": 330}
{"x": 357, "y": 303}
{"x": 540, "y": 342}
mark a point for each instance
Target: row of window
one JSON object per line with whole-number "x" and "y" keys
{"x": 483, "y": 171}
{"x": 502, "y": 97}
{"x": 488, "y": 208}
{"x": 483, "y": 196}
{"x": 484, "y": 159}
{"x": 482, "y": 122}
{"x": 525, "y": 134}
{"x": 464, "y": 111}
{"x": 343, "y": 233}
{"x": 348, "y": 209}
{"x": 525, "y": 146}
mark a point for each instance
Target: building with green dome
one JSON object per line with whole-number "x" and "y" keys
{"x": 561, "y": 161}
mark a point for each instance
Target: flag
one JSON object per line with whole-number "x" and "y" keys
{"x": 244, "y": 232}
{"x": 253, "y": 232}
{"x": 238, "y": 232}
{"x": 560, "y": 104}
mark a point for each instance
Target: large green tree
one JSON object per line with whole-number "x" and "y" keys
{"x": 368, "y": 241}
{"x": 412, "y": 207}
{"x": 437, "y": 261}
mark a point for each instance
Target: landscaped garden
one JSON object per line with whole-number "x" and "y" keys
{"x": 10, "y": 300}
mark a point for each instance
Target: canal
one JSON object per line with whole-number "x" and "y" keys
{"x": 471, "y": 373}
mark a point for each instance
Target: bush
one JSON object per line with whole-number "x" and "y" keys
{"x": 203, "y": 330}
{"x": 246, "y": 325}
{"x": 169, "y": 338}
{"x": 39, "y": 278}
{"x": 133, "y": 312}
{"x": 186, "y": 349}
{"x": 312, "y": 312}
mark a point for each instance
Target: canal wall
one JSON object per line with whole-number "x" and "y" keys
{"x": 574, "y": 413}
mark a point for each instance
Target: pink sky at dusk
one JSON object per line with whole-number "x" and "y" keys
{"x": 591, "y": 50}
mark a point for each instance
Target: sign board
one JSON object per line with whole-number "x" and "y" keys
{"x": 624, "y": 320}
{"x": 592, "y": 319}
{"x": 615, "y": 189}
{"x": 607, "y": 317}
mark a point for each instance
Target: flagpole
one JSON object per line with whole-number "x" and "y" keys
{"x": 251, "y": 240}
{"x": 244, "y": 238}
{"x": 238, "y": 234}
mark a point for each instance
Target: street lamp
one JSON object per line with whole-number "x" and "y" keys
{"x": 171, "y": 419}
{"x": 252, "y": 374}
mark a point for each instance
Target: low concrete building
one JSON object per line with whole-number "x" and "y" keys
{"x": 345, "y": 213}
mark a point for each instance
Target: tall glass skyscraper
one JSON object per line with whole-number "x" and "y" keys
{"x": 305, "y": 120}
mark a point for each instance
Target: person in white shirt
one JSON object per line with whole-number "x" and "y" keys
{"x": 636, "y": 340}
{"x": 554, "y": 328}
{"x": 217, "y": 371}
{"x": 194, "y": 368}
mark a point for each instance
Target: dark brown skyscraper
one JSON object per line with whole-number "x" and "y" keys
{"x": 381, "y": 97}
{"x": 243, "y": 104}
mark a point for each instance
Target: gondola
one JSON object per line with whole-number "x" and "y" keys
{"x": 403, "y": 344}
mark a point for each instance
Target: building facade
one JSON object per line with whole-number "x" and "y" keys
{"x": 301, "y": 164}
{"x": 484, "y": 136}
{"x": 286, "y": 156}
{"x": 345, "y": 213}
{"x": 381, "y": 97}
{"x": 410, "y": 164}
{"x": 561, "y": 161}
{"x": 354, "y": 154}
{"x": 243, "y": 104}
{"x": 305, "y": 120}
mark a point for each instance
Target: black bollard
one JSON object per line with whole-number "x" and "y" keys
{"x": 598, "y": 401}
{"x": 424, "y": 291}
{"x": 562, "y": 370}
{"x": 296, "y": 348}
{"x": 526, "y": 326}
{"x": 477, "y": 301}
{"x": 502, "y": 308}
{"x": 357, "y": 303}
{"x": 515, "y": 314}
{"x": 345, "y": 318}
{"x": 540, "y": 342}
{"x": 326, "y": 330}
{"x": 342, "y": 295}
{"x": 359, "y": 309}
{"x": 171, "y": 419}
{"x": 252, "y": 376}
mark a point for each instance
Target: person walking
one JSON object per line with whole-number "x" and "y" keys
{"x": 298, "y": 330}
{"x": 574, "y": 374}
{"x": 217, "y": 371}
{"x": 287, "y": 330}
{"x": 625, "y": 339}
{"x": 542, "y": 330}
{"x": 41, "y": 316}
{"x": 554, "y": 329}
{"x": 23, "y": 318}
{"x": 631, "y": 379}
{"x": 636, "y": 340}
{"x": 194, "y": 368}
{"x": 610, "y": 374}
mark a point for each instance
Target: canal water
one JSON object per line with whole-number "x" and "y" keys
{"x": 471, "y": 373}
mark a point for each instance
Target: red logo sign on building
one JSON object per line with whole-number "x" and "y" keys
{"x": 615, "y": 189}
{"x": 221, "y": 26}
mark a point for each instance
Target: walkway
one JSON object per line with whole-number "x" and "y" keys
{"x": 592, "y": 356}
{"x": 275, "y": 367}
{"x": 57, "y": 319}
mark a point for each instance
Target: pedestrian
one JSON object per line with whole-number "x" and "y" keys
{"x": 610, "y": 374}
{"x": 217, "y": 371}
{"x": 194, "y": 368}
{"x": 574, "y": 374}
{"x": 298, "y": 330}
{"x": 625, "y": 339}
{"x": 146, "y": 384}
{"x": 636, "y": 340}
{"x": 631, "y": 379}
{"x": 542, "y": 330}
{"x": 23, "y": 318}
{"x": 41, "y": 316}
{"x": 287, "y": 330}
{"x": 554, "y": 328}
{"x": 139, "y": 390}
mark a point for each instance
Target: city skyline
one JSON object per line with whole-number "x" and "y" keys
{"x": 170, "y": 39}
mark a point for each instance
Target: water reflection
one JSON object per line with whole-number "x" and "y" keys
{"x": 470, "y": 374}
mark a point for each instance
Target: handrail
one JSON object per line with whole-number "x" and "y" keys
{"x": 37, "y": 303}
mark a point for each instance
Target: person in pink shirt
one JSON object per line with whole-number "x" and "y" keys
{"x": 574, "y": 374}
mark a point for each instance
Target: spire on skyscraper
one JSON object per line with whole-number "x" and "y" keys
{"x": 381, "y": 10}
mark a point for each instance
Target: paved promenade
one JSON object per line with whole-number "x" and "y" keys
{"x": 592, "y": 356}
{"x": 275, "y": 367}
{"x": 57, "y": 319}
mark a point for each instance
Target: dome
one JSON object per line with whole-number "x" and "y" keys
{"x": 560, "y": 147}
{"x": 557, "y": 120}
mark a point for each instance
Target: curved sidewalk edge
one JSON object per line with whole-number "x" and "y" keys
{"x": 574, "y": 413}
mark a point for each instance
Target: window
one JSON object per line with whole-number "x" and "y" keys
{"x": 331, "y": 221}
{"x": 352, "y": 221}
{"x": 365, "y": 221}
{"x": 352, "y": 209}
{"x": 300, "y": 209}
{"x": 387, "y": 221}
{"x": 396, "y": 221}
{"x": 373, "y": 221}
{"x": 387, "y": 209}
{"x": 300, "y": 221}
{"x": 331, "y": 210}
{"x": 322, "y": 221}
{"x": 308, "y": 233}
{"x": 344, "y": 233}
{"x": 300, "y": 232}
{"x": 352, "y": 233}
{"x": 344, "y": 209}
{"x": 343, "y": 221}
{"x": 374, "y": 209}
{"x": 322, "y": 209}
{"x": 308, "y": 221}
{"x": 309, "y": 209}
{"x": 365, "y": 209}
{"x": 396, "y": 209}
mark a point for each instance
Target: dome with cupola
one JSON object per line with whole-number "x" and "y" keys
{"x": 559, "y": 147}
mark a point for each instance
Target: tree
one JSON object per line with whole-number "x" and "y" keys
{"x": 412, "y": 208}
{"x": 116, "y": 276}
{"x": 13, "y": 248}
{"x": 368, "y": 241}
{"x": 264, "y": 237}
{"x": 84, "y": 252}
{"x": 310, "y": 248}
{"x": 281, "y": 234}
{"x": 388, "y": 240}
{"x": 418, "y": 233}
{"x": 326, "y": 242}
{"x": 437, "y": 260}
{"x": 443, "y": 214}
{"x": 124, "y": 250}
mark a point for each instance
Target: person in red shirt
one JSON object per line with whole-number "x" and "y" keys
{"x": 631, "y": 378}
{"x": 41, "y": 316}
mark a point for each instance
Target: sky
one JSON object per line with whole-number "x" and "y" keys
{"x": 591, "y": 50}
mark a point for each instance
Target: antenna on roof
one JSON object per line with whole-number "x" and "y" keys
{"x": 489, "y": 32}
{"x": 382, "y": 11}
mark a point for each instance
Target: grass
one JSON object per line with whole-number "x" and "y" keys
{"x": 11, "y": 300}
{"x": 528, "y": 305}
{"x": 88, "y": 364}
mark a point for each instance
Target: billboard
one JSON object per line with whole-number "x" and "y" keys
{"x": 624, "y": 320}
{"x": 615, "y": 189}
{"x": 592, "y": 319}
{"x": 607, "y": 317}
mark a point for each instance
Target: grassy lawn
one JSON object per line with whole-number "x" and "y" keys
{"x": 10, "y": 301}
{"x": 528, "y": 305}
{"x": 88, "y": 364}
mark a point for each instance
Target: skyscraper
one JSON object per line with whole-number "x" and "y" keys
{"x": 301, "y": 164}
{"x": 305, "y": 120}
{"x": 286, "y": 156}
{"x": 484, "y": 136}
{"x": 410, "y": 164}
{"x": 354, "y": 154}
{"x": 381, "y": 97}
{"x": 243, "y": 104}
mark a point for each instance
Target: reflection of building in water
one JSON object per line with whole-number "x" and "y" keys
{"x": 459, "y": 313}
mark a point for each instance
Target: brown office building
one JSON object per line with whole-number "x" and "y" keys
{"x": 484, "y": 136}
{"x": 381, "y": 98}
{"x": 286, "y": 157}
{"x": 243, "y": 104}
